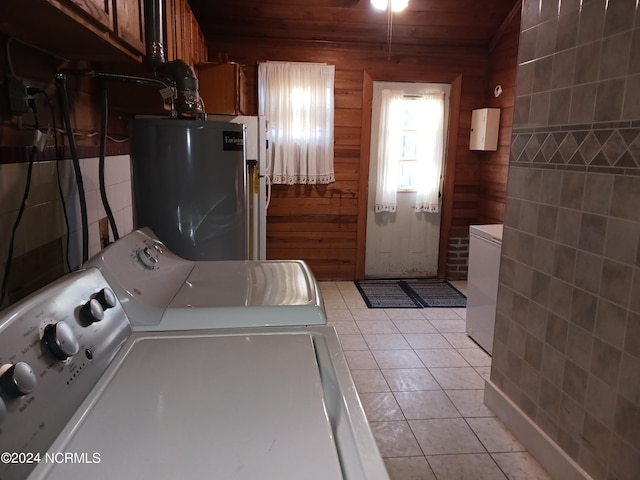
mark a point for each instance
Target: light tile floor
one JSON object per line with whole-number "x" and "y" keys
{"x": 421, "y": 383}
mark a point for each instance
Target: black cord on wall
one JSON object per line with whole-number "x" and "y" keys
{"x": 16, "y": 224}
{"x": 61, "y": 84}
{"x": 103, "y": 146}
{"x": 58, "y": 157}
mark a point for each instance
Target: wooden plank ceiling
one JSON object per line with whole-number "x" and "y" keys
{"x": 354, "y": 23}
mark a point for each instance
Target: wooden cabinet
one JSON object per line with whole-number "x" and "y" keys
{"x": 100, "y": 30}
{"x": 223, "y": 88}
{"x": 183, "y": 37}
{"x": 129, "y": 24}
{"x": 122, "y": 20}
{"x": 99, "y": 11}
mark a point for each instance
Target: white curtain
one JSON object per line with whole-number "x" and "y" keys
{"x": 389, "y": 147}
{"x": 297, "y": 101}
{"x": 429, "y": 150}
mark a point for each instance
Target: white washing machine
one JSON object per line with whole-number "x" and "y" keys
{"x": 161, "y": 291}
{"x": 81, "y": 396}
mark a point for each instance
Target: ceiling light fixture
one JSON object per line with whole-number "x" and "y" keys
{"x": 391, "y": 7}
{"x": 396, "y": 5}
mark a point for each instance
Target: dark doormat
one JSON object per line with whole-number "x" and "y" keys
{"x": 410, "y": 293}
{"x": 385, "y": 294}
{"x": 433, "y": 292}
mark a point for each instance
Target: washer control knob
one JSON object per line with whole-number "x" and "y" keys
{"x": 106, "y": 298}
{"x": 61, "y": 340}
{"x": 92, "y": 311}
{"x": 19, "y": 379}
{"x": 147, "y": 258}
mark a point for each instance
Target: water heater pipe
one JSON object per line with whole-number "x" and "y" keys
{"x": 176, "y": 72}
{"x": 188, "y": 100}
{"x": 154, "y": 33}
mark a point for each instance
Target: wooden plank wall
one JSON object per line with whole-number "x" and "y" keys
{"x": 319, "y": 224}
{"x": 487, "y": 202}
{"x": 494, "y": 165}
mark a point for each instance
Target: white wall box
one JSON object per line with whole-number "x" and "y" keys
{"x": 485, "y": 123}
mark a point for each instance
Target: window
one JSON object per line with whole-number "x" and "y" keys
{"x": 411, "y": 149}
{"x": 297, "y": 101}
{"x": 407, "y": 155}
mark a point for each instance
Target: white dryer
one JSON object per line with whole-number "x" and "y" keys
{"x": 161, "y": 291}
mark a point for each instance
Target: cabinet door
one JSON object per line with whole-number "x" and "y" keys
{"x": 130, "y": 23}
{"x": 196, "y": 42}
{"x": 171, "y": 31}
{"x": 98, "y": 11}
{"x": 187, "y": 26}
{"x": 222, "y": 88}
{"x": 183, "y": 36}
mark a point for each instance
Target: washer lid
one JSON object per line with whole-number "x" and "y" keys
{"x": 252, "y": 284}
{"x": 217, "y": 406}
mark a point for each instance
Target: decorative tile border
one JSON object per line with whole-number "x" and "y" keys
{"x": 611, "y": 148}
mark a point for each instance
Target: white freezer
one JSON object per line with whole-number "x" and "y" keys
{"x": 485, "y": 245}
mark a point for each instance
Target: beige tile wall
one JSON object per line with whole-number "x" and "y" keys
{"x": 566, "y": 347}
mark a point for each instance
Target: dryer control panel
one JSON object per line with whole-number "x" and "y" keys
{"x": 54, "y": 347}
{"x": 144, "y": 274}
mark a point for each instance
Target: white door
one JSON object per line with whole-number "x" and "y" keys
{"x": 404, "y": 243}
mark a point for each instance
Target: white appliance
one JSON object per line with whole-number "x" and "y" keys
{"x": 256, "y": 150}
{"x": 485, "y": 244}
{"x": 161, "y": 291}
{"x": 81, "y": 396}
